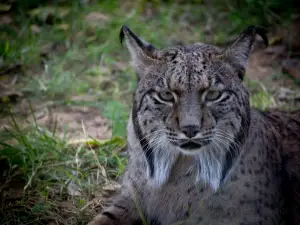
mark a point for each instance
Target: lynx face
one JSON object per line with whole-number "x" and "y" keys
{"x": 190, "y": 100}
{"x": 193, "y": 103}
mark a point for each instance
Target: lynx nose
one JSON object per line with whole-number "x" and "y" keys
{"x": 190, "y": 131}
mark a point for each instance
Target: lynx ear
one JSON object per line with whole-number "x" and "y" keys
{"x": 142, "y": 53}
{"x": 238, "y": 52}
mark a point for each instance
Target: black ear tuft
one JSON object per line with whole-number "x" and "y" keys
{"x": 122, "y": 34}
{"x": 258, "y": 30}
{"x": 142, "y": 53}
{"x": 127, "y": 33}
{"x": 237, "y": 53}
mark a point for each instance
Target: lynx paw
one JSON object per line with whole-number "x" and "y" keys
{"x": 102, "y": 220}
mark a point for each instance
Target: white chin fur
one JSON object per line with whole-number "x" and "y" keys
{"x": 210, "y": 165}
{"x": 164, "y": 157}
{"x": 209, "y": 162}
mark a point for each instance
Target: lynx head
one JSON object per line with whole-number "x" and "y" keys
{"x": 191, "y": 100}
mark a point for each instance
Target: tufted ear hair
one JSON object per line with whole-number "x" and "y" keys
{"x": 142, "y": 53}
{"x": 237, "y": 53}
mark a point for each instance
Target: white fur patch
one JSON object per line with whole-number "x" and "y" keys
{"x": 210, "y": 165}
{"x": 209, "y": 162}
{"x": 164, "y": 158}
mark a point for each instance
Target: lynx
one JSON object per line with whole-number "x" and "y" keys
{"x": 199, "y": 154}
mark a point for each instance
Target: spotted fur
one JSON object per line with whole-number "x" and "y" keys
{"x": 199, "y": 154}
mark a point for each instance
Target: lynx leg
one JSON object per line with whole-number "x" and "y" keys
{"x": 122, "y": 211}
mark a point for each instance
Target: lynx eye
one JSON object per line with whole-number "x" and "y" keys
{"x": 166, "y": 96}
{"x": 212, "y": 95}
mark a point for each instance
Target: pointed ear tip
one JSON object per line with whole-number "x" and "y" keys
{"x": 258, "y": 29}
{"x": 250, "y": 27}
{"x": 261, "y": 31}
{"x": 124, "y": 28}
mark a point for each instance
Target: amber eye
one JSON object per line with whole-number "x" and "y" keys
{"x": 166, "y": 96}
{"x": 212, "y": 95}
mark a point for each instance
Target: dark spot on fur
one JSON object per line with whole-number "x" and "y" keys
{"x": 191, "y": 189}
{"x": 199, "y": 219}
{"x": 267, "y": 184}
{"x": 272, "y": 206}
{"x": 257, "y": 172}
{"x": 180, "y": 79}
{"x": 145, "y": 122}
{"x": 247, "y": 185}
{"x": 258, "y": 211}
{"x": 234, "y": 177}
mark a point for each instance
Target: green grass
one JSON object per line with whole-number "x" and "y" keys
{"x": 74, "y": 55}
{"x": 50, "y": 168}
